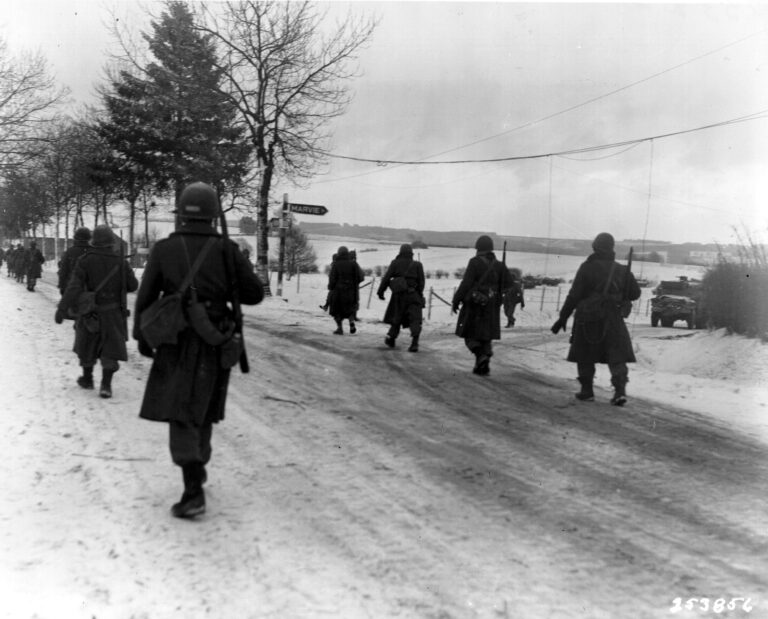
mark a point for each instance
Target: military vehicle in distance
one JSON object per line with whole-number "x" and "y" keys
{"x": 678, "y": 300}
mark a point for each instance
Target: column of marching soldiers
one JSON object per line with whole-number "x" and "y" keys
{"x": 187, "y": 317}
{"x": 24, "y": 264}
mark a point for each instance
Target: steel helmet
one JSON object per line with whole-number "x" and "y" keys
{"x": 603, "y": 242}
{"x": 198, "y": 201}
{"x": 102, "y": 236}
{"x": 484, "y": 243}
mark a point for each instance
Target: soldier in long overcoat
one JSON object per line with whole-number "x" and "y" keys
{"x": 405, "y": 304}
{"x": 80, "y": 245}
{"x": 19, "y": 263}
{"x": 187, "y": 385}
{"x": 100, "y": 335}
{"x": 479, "y": 323}
{"x": 343, "y": 281}
{"x": 33, "y": 265}
{"x": 605, "y": 340}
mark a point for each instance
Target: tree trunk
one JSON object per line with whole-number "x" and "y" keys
{"x": 131, "y": 223}
{"x": 262, "y": 230}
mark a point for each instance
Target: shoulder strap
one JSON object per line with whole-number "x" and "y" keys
{"x": 610, "y": 277}
{"x": 198, "y": 262}
{"x": 485, "y": 275}
{"x": 112, "y": 271}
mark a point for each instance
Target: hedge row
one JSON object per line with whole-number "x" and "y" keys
{"x": 736, "y": 298}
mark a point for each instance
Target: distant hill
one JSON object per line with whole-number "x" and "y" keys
{"x": 675, "y": 253}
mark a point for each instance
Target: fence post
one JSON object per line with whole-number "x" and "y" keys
{"x": 370, "y": 292}
{"x": 543, "y": 292}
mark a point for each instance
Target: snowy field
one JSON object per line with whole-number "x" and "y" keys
{"x": 308, "y": 517}
{"x": 711, "y": 372}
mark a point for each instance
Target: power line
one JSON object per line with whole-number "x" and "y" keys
{"x": 599, "y": 97}
{"x": 587, "y": 149}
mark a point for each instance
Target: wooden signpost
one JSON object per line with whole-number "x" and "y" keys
{"x": 304, "y": 209}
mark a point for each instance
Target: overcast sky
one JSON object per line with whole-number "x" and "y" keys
{"x": 445, "y": 81}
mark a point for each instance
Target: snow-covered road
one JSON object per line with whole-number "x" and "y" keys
{"x": 350, "y": 480}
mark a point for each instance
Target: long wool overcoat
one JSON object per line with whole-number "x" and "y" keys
{"x": 91, "y": 270}
{"x": 186, "y": 381}
{"x": 481, "y": 322}
{"x": 343, "y": 282}
{"x": 33, "y": 263}
{"x": 399, "y": 302}
{"x": 605, "y": 341}
{"x": 69, "y": 260}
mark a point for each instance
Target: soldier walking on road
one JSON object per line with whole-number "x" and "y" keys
{"x": 513, "y": 296}
{"x": 600, "y": 335}
{"x": 100, "y": 330}
{"x": 72, "y": 255}
{"x": 188, "y": 381}
{"x": 33, "y": 265}
{"x": 405, "y": 278}
{"x": 343, "y": 282}
{"x": 19, "y": 263}
{"x": 479, "y": 296}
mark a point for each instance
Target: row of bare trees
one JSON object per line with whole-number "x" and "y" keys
{"x": 237, "y": 94}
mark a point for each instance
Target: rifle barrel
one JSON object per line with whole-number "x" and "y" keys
{"x": 229, "y": 263}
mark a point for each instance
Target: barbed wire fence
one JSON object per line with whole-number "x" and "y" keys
{"x": 541, "y": 298}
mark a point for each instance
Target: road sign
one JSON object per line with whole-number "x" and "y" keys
{"x": 307, "y": 209}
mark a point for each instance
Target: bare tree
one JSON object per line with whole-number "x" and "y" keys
{"x": 28, "y": 98}
{"x": 56, "y": 164}
{"x": 288, "y": 75}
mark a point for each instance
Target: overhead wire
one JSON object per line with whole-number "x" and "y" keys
{"x": 382, "y": 163}
{"x": 603, "y": 96}
{"x": 573, "y": 151}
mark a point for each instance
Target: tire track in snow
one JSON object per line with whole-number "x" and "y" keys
{"x": 617, "y": 482}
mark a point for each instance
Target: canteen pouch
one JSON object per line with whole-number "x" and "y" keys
{"x": 626, "y": 308}
{"x": 86, "y": 303}
{"x": 480, "y": 298}
{"x": 91, "y": 322}
{"x": 231, "y": 350}
{"x": 202, "y": 325}
{"x": 162, "y": 321}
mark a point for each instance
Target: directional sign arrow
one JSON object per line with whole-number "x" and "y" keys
{"x": 307, "y": 209}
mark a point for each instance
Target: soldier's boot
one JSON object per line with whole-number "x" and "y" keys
{"x": 619, "y": 391}
{"x": 586, "y": 394}
{"x": 352, "y": 327}
{"x": 414, "y": 347}
{"x": 86, "y": 380}
{"x": 482, "y": 364}
{"x": 390, "y": 339}
{"x": 105, "y": 389}
{"x": 339, "y": 328}
{"x": 192, "y": 501}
